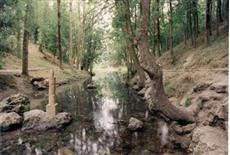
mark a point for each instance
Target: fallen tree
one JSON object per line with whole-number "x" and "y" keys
{"x": 158, "y": 98}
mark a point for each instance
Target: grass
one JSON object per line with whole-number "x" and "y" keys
{"x": 40, "y": 67}
{"x": 193, "y": 65}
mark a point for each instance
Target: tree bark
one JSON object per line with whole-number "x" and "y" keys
{"x": 208, "y": 21}
{"x": 158, "y": 52}
{"x": 71, "y": 54}
{"x": 171, "y": 32}
{"x": 195, "y": 21}
{"x": 59, "y": 32}
{"x": 159, "y": 100}
{"x": 219, "y": 18}
{"x": 26, "y": 40}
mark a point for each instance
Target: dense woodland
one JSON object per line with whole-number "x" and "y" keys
{"x": 70, "y": 29}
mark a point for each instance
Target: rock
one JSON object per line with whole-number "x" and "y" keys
{"x": 208, "y": 140}
{"x": 178, "y": 129}
{"x": 36, "y": 119}
{"x": 220, "y": 87}
{"x": 201, "y": 87}
{"x": 62, "y": 119}
{"x": 181, "y": 141}
{"x": 135, "y": 124}
{"x": 18, "y": 103}
{"x": 188, "y": 128}
{"x": 40, "y": 85}
{"x": 37, "y": 79}
{"x": 91, "y": 86}
{"x": 10, "y": 121}
{"x": 39, "y": 120}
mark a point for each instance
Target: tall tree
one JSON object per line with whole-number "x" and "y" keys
{"x": 208, "y": 20}
{"x": 158, "y": 40}
{"x": 71, "y": 54}
{"x": 130, "y": 41}
{"x": 59, "y": 32}
{"x": 171, "y": 31}
{"x": 159, "y": 100}
{"x": 219, "y": 18}
{"x": 26, "y": 38}
{"x": 195, "y": 21}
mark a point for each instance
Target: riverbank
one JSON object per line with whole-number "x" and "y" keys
{"x": 11, "y": 82}
{"x": 197, "y": 82}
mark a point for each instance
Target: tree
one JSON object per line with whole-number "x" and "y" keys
{"x": 159, "y": 100}
{"x": 171, "y": 31}
{"x": 71, "y": 54}
{"x": 219, "y": 17}
{"x": 26, "y": 39}
{"x": 158, "y": 52}
{"x": 208, "y": 21}
{"x": 59, "y": 33}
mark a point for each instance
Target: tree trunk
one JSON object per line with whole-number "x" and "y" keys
{"x": 158, "y": 30}
{"x": 71, "y": 54}
{"x": 26, "y": 40}
{"x": 19, "y": 43}
{"x": 59, "y": 32}
{"x": 208, "y": 21}
{"x": 219, "y": 18}
{"x": 171, "y": 32}
{"x": 123, "y": 6}
{"x": 195, "y": 21}
{"x": 159, "y": 100}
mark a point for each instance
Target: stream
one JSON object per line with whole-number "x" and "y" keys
{"x": 99, "y": 126}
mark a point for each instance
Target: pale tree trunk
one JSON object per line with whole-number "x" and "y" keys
{"x": 159, "y": 100}
{"x": 26, "y": 40}
{"x": 171, "y": 32}
{"x": 71, "y": 54}
{"x": 59, "y": 32}
{"x": 78, "y": 32}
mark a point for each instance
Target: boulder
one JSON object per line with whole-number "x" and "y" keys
{"x": 91, "y": 86}
{"x": 135, "y": 124}
{"x": 10, "y": 121}
{"x": 18, "y": 103}
{"x": 39, "y": 120}
{"x": 37, "y": 79}
{"x": 40, "y": 83}
{"x": 209, "y": 140}
{"x": 62, "y": 119}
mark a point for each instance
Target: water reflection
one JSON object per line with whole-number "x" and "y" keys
{"x": 95, "y": 129}
{"x": 106, "y": 105}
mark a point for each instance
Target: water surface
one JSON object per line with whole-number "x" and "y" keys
{"x": 99, "y": 124}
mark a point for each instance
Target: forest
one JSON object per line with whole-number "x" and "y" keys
{"x": 114, "y": 77}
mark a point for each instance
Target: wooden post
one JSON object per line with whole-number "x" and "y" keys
{"x": 51, "y": 106}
